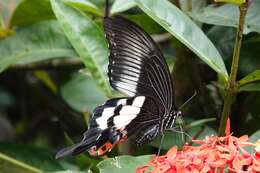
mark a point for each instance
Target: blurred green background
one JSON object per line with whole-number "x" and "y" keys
{"x": 53, "y": 64}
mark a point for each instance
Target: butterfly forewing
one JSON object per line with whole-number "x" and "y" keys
{"x": 136, "y": 65}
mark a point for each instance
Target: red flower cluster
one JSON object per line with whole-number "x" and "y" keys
{"x": 213, "y": 154}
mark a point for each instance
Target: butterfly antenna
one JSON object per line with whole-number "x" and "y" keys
{"x": 107, "y": 9}
{"x": 187, "y": 101}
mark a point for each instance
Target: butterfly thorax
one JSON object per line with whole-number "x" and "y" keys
{"x": 169, "y": 120}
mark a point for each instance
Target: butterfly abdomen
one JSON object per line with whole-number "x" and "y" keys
{"x": 88, "y": 142}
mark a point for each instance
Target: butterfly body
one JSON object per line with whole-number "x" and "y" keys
{"x": 137, "y": 69}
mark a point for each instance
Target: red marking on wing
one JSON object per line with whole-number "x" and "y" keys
{"x": 106, "y": 147}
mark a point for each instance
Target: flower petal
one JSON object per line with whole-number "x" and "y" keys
{"x": 172, "y": 152}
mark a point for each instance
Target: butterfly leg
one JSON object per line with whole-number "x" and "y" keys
{"x": 161, "y": 142}
{"x": 181, "y": 132}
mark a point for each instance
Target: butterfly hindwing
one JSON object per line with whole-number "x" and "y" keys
{"x": 121, "y": 113}
{"x": 112, "y": 123}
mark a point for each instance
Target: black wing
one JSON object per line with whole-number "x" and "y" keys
{"x": 136, "y": 65}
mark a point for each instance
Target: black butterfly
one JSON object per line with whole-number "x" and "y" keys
{"x": 138, "y": 69}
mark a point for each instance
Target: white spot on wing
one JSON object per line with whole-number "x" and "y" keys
{"x": 106, "y": 114}
{"x": 129, "y": 110}
{"x": 123, "y": 120}
{"x": 121, "y": 102}
{"x": 139, "y": 101}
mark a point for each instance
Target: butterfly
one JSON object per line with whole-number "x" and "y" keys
{"x": 138, "y": 69}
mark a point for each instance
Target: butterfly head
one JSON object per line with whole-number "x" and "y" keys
{"x": 178, "y": 113}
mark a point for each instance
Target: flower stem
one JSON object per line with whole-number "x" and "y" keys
{"x": 231, "y": 88}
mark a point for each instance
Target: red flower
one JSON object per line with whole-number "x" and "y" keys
{"x": 213, "y": 154}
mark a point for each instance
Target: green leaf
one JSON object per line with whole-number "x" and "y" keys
{"x": 40, "y": 41}
{"x": 81, "y": 93}
{"x": 225, "y": 43}
{"x": 31, "y": 11}
{"x": 23, "y": 159}
{"x": 5, "y": 32}
{"x": 145, "y": 22}
{"x": 122, "y": 164}
{"x": 72, "y": 171}
{"x": 200, "y": 122}
{"x": 170, "y": 139}
{"x": 46, "y": 79}
{"x": 195, "y": 5}
{"x": 228, "y": 15}
{"x": 206, "y": 131}
{"x": 250, "y": 87}
{"x": 249, "y": 56}
{"x": 88, "y": 40}
{"x": 185, "y": 30}
{"x": 178, "y": 138}
{"x": 253, "y": 138}
{"x": 1, "y": 22}
{"x": 122, "y": 5}
{"x": 85, "y": 6}
{"x": 252, "y": 77}
{"x": 6, "y": 99}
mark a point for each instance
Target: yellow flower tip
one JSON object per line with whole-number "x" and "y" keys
{"x": 237, "y": 2}
{"x": 5, "y": 32}
{"x": 257, "y": 148}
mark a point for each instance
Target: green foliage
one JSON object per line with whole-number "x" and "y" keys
{"x": 255, "y": 136}
{"x": 252, "y": 77}
{"x": 81, "y": 93}
{"x": 178, "y": 24}
{"x": 122, "y": 164}
{"x": 53, "y": 66}
{"x": 250, "y": 87}
{"x": 226, "y": 15}
{"x": 37, "y": 42}
{"x": 147, "y": 23}
{"x": 26, "y": 159}
{"x": 88, "y": 40}
{"x": 122, "y": 5}
{"x": 182, "y": 134}
{"x": 24, "y": 15}
{"x": 85, "y": 6}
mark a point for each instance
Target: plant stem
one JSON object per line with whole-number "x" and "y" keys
{"x": 189, "y": 5}
{"x": 231, "y": 88}
{"x": 20, "y": 164}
